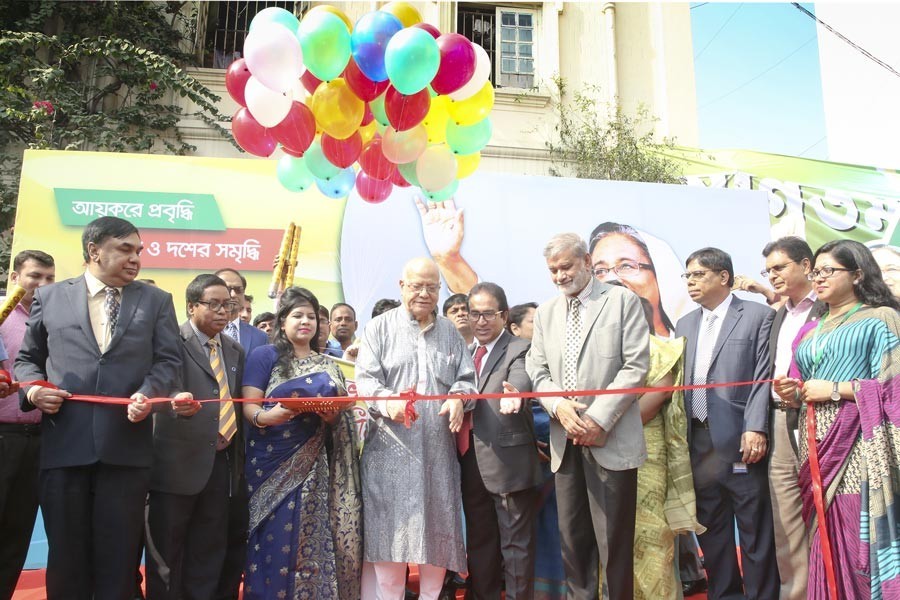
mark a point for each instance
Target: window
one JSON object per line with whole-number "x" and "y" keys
{"x": 511, "y": 46}
{"x": 227, "y": 24}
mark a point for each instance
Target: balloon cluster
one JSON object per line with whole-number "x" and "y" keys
{"x": 409, "y": 104}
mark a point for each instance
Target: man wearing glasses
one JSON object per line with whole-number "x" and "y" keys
{"x": 728, "y": 341}
{"x": 499, "y": 464}
{"x": 410, "y": 472}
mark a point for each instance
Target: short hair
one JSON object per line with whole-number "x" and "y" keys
{"x": 492, "y": 289}
{"x": 101, "y": 229}
{"x": 236, "y": 272}
{"x": 794, "y": 247}
{"x": 871, "y": 289}
{"x": 261, "y": 317}
{"x": 384, "y": 305}
{"x": 340, "y": 304}
{"x": 518, "y": 313}
{"x": 200, "y": 283}
{"x": 562, "y": 242}
{"x": 248, "y": 298}
{"x": 714, "y": 260}
{"x": 323, "y": 312}
{"x": 453, "y": 301}
{"x": 41, "y": 258}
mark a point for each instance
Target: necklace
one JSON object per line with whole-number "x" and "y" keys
{"x": 819, "y": 353}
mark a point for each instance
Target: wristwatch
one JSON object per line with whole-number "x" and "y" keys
{"x": 835, "y": 392}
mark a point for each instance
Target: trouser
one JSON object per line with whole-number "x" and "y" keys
{"x": 20, "y": 448}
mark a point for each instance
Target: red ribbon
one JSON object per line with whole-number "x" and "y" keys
{"x": 819, "y": 501}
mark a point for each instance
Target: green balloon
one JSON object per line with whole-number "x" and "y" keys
{"x": 469, "y": 139}
{"x": 293, "y": 173}
{"x": 276, "y": 15}
{"x": 411, "y": 60}
{"x": 408, "y": 171}
{"x": 442, "y": 194}
{"x": 325, "y": 42}
{"x": 317, "y": 162}
{"x": 377, "y": 108}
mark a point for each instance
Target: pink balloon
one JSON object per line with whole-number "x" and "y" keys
{"x": 373, "y": 190}
{"x": 364, "y": 88}
{"x": 457, "y": 63}
{"x": 310, "y": 81}
{"x": 298, "y": 129}
{"x": 373, "y": 161}
{"x": 434, "y": 31}
{"x": 367, "y": 116}
{"x": 251, "y": 136}
{"x": 236, "y": 80}
{"x": 292, "y": 152}
{"x": 342, "y": 153}
{"x": 405, "y": 112}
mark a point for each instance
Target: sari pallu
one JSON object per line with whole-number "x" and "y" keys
{"x": 858, "y": 449}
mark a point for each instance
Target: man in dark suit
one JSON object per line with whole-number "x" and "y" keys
{"x": 499, "y": 461}
{"x": 788, "y": 262}
{"x": 248, "y": 336}
{"x": 99, "y": 334}
{"x": 592, "y": 336}
{"x": 198, "y": 452}
{"x": 728, "y": 341}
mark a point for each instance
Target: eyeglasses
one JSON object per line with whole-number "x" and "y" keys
{"x": 623, "y": 269}
{"x": 488, "y": 315}
{"x": 216, "y": 306}
{"x": 695, "y": 274}
{"x": 416, "y": 288}
{"x": 777, "y": 269}
{"x": 826, "y": 272}
{"x": 237, "y": 289}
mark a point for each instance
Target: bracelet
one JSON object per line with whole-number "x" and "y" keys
{"x": 255, "y": 419}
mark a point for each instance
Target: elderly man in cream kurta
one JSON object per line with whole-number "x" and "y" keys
{"x": 411, "y": 487}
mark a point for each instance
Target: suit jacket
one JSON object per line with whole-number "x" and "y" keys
{"x": 792, "y": 415}
{"x": 505, "y": 446}
{"x": 184, "y": 448}
{"x": 741, "y": 353}
{"x": 615, "y": 354}
{"x": 252, "y": 338}
{"x": 59, "y": 347}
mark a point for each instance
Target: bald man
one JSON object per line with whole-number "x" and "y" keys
{"x": 411, "y": 484}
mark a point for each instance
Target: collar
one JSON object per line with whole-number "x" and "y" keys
{"x": 237, "y": 323}
{"x": 808, "y": 301}
{"x": 490, "y": 345}
{"x": 95, "y": 286}
{"x": 414, "y": 323}
{"x": 203, "y": 338}
{"x": 721, "y": 310}
{"x": 585, "y": 294}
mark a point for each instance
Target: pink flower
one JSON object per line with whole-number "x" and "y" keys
{"x": 152, "y": 85}
{"x": 44, "y": 104}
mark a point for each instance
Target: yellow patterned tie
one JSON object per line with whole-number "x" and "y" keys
{"x": 227, "y": 417}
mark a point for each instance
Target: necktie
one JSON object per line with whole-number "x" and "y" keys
{"x": 699, "y": 406}
{"x": 573, "y": 345}
{"x": 111, "y": 306}
{"x": 462, "y": 436}
{"x": 231, "y": 331}
{"x": 227, "y": 416}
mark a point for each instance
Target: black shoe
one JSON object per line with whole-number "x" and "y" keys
{"x": 693, "y": 587}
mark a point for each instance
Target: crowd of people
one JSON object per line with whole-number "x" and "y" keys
{"x": 598, "y": 489}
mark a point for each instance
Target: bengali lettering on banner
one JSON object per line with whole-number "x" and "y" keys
{"x": 244, "y": 249}
{"x": 152, "y": 210}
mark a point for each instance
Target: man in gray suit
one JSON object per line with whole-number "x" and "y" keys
{"x": 499, "y": 461}
{"x": 728, "y": 341}
{"x": 198, "y": 452}
{"x": 592, "y": 336}
{"x": 104, "y": 334}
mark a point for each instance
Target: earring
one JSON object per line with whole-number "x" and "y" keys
{"x": 856, "y": 282}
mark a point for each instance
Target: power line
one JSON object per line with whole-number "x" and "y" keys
{"x": 699, "y": 5}
{"x": 748, "y": 82}
{"x": 819, "y": 141}
{"x": 712, "y": 39}
{"x": 857, "y": 47}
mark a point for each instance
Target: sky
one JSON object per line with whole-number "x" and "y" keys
{"x": 758, "y": 82}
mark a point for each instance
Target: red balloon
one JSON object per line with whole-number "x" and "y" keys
{"x": 398, "y": 180}
{"x": 373, "y": 190}
{"x": 298, "y": 129}
{"x": 342, "y": 153}
{"x": 250, "y": 135}
{"x": 457, "y": 63}
{"x": 434, "y": 31}
{"x": 373, "y": 161}
{"x": 310, "y": 81}
{"x": 236, "y": 80}
{"x": 364, "y": 88}
{"x": 291, "y": 151}
{"x": 367, "y": 116}
{"x": 405, "y": 112}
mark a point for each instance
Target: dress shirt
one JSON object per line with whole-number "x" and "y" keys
{"x": 720, "y": 311}
{"x": 97, "y": 310}
{"x": 12, "y": 332}
{"x": 237, "y": 329}
{"x": 583, "y": 296}
{"x": 204, "y": 340}
{"x": 794, "y": 319}
{"x": 490, "y": 348}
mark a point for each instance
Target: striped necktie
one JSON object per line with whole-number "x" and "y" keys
{"x": 702, "y": 360}
{"x": 227, "y": 416}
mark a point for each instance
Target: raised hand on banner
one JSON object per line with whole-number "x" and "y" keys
{"x": 443, "y": 227}
{"x": 453, "y": 408}
{"x": 47, "y": 400}
{"x": 753, "y": 447}
{"x": 139, "y": 408}
{"x": 510, "y": 406}
{"x": 184, "y": 405}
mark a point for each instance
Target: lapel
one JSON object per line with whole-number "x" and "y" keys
{"x": 131, "y": 297}
{"x": 77, "y": 293}
{"x": 691, "y": 335}
{"x": 557, "y": 323}
{"x": 731, "y": 320}
{"x": 493, "y": 358}
{"x": 231, "y": 353}
{"x": 195, "y": 350}
{"x": 595, "y": 305}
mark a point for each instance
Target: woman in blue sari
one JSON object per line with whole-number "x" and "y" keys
{"x": 302, "y": 468}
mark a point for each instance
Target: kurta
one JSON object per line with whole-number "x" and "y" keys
{"x": 412, "y": 501}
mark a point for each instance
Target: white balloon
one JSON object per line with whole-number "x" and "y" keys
{"x": 482, "y": 74}
{"x": 267, "y": 106}
{"x": 436, "y": 168}
{"x": 273, "y": 56}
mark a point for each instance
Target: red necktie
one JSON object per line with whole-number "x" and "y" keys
{"x": 462, "y": 437}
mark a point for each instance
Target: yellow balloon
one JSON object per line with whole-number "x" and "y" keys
{"x": 335, "y": 11}
{"x": 466, "y": 165}
{"x": 404, "y": 11}
{"x": 473, "y": 109}
{"x": 337, "y": 109}
{"x": 367, "y": 132}
{"x": 435, "y": 121}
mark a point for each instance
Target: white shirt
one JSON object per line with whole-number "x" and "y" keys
{"x": 490, "y": 348}
{"x": 97, "y": 310}
{"x": 237, "y": 325}
{"x": 720, "y": 311}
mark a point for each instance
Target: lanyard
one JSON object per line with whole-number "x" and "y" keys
{"x": 819, "y": 353}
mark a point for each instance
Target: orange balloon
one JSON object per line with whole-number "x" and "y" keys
{"x": 337, "y": 109}
{"x": 404, "y": 11}
{"x": 335, "y": 11}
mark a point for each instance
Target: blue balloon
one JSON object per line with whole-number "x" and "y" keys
{"x": 369, "y": 41}
{"x": 339, "y": 185}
